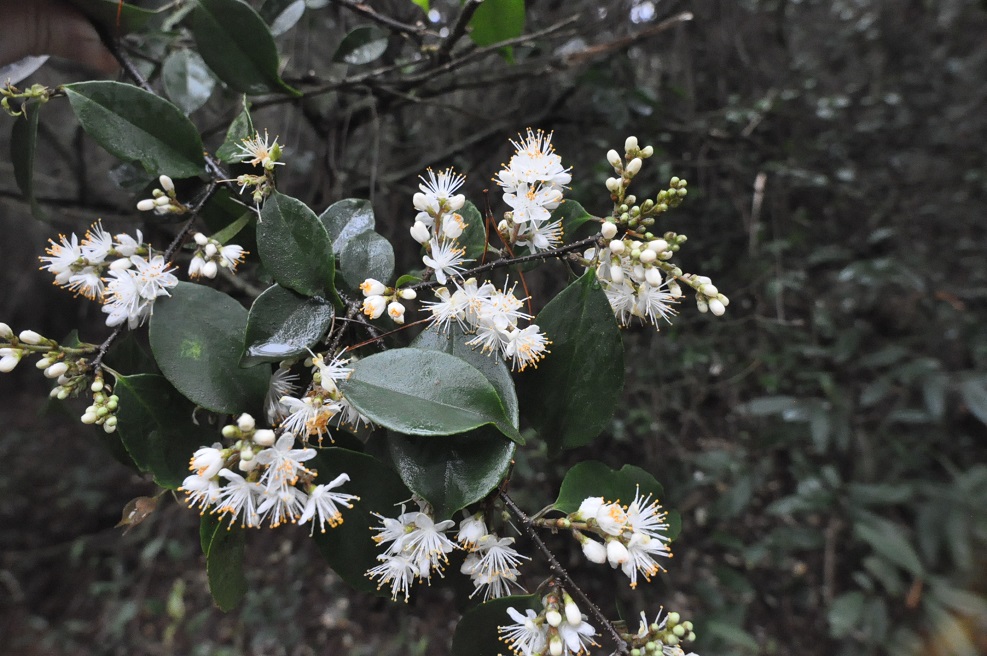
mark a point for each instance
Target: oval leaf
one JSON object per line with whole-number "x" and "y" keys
{"x": 197, "y": 339}
{"x": 240, "y": 129}
{"x": 349, "y": 548}
{"x": 136, "y": 125}
{"x": 497, "y": 20}
{"x": 573, "y": 217}
{"x": 224, "y": 547}
{"x": 573, "y": 393}
{"x": 477, "y": 635}
{"x": 346, "y": 219}
{"x": 425, "y": 393}
{"x": 155, "y": 425}
{"x": 23, "y": 142}
{"x": 362, "y": 46}
{"x": 283, "y": 324}
{"x": 368, "y": 255}
{"x": 294, "y": 246}
{"x": 474, "y": 237}
{"x": 187, "y": 80}
{"x": 887, "y": 540}
{"x": 282, "y": 15}
{"x": 592, "y": 478}
{"x": 237, "y": 45}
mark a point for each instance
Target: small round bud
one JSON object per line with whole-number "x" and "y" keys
{"x": 674, "y": 182}
{"x": 682, "y": 192}
{"x": 162, "y": 201}
{"x": 616, "y": 273}
{"x": 30, "y": 337}
{"x": 716, "y": 307}
{"x": 671, "y": 640}
{"x": 679, "y": 630}
{"x": 614, "y": 158}
{"x": 419, "y": 232}
{"x": 634, "y": 166}
{"x": 56, "y": 370}
{"x": 702, "y": 305}
{"x": 647, "y": 151}
{"x": 688, "y": 626}
{"x": 245, "y": 422}
{"x": 166, "y": 184}
{"x": 146, "y": 205}
{"x": 264, "y": 437}
{"x": 553, "y": 617}
{"x": 408, "y": 294}
{"x": 616, "y": 247}
{"x": 210, "y": 250}
{"x": 230, "y": 431}
{"x": 5, "y": 331}
{"x": 395, "y": 311}
{"x": 648, "y": 256}
{"x": 630, "y": 144}
{"x": 97, "y": 386}
{"x": 372, "y": 287}
{"x": 200, "y": 239}
{"x": 608, "y": 230}
{"x": 630, "y": 199}
{"x": 247, "y": 464}
{"x": 210, "y": 269}
{"x": 613, "y": 185}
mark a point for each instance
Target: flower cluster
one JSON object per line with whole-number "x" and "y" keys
{"x": 258, "y": 151}
{"x": 634, "y": 285}
{"x": 632, "y": 535}
{"x": 163, "y": 200}
{"x": 379, "y": 297}
{"x": 210, "y": 256}
{"x": 438, "y": 225}
{"x": 416, "y": 546}
{"x": 533, "y": 182}
{"x": 491, "y": 315}
{"x": 560, "y": 629}
{"x": 491, "y": 562}
{"x": 310, "y": 415}
{"x": 663, "y": 636}
{"x": 273, "y": 485}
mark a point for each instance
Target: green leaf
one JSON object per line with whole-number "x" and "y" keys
{"x": 477, "y": 635}
{"x": 187, "y": 80}
{"x": 237, "y": 45}
{"x": 294, "y": 246}
{"x": 368, "y": 255}
{"x": 592, "y": 478}
{"x": 573, "y": 393}
{"x": 233, "y": 229}
{"x": 283, "y": 324}
{"x": 349, "y": 548}
{"x": 497, "y": 20}
{"x": 224, "y": 561}
{"x": 845, "y": 613}
{"x": 423, "y": 4}
{"x": 105, "y": 12}
{"x": 419, "y": 392}
{"x": 240, "y": 129}
{"x": 887, "y": 539}
{"x": 23, "y": 144}
{"x": 136, "y": 125}
{"x": 474, "y": 236}
{"x": 573, "y": 217}
{"x": 361, "y": 46}
{"x": 974, "y": 392}
{"x": 156, "y": 427}
{"x": 197, "y": 338}
{"x": 345, "y": 219}
{"x": 282, "y": 15}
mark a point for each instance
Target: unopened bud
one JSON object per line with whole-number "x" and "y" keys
{"x": 679, "y": 630}
{"x": 247, "y": 464}
{"x": 634, "y": 166}
{"x": 647, "y": 151}
{"x": 30, "y": 337}
{"x": 702, "y": 305}
{"x": 59, "y": 368}
{"x": 210, "y": 250}
{"x": 210, "y": 269}
{"x": 89, "y": 418}
{"x": 616, "y": 273}
{"x": 245, "y": 422}
{"x": 630, "y": 144}
{"x": 716, "y": 307}
{"x": 5, "y": 331}
{"x": 166, "y": 183}
{"x": 594, "y": 551}
{"x": 264, "y": 437}
{"x": 555, "y": 645}
{"x": 372, "y": 287}
{"x": 162, "y": 201}
{"x": 553, "y": 617}
{"x": 43, "y": 363}
{"x": 408, "y": 294}
{"x": 658, "y": 246}
{"x": 200, "y": 239}
{"x": 230, "y": 431}
{"x": 8, "y": 362}
{"x": 653, "y": 276}
{"x": 396, "y": 311}
{"x": 608, "y": 229}
{"x": 709, "y": 290}
{"x": 613, "y": 185}
{"x": 146, "y": 205}
{"x": 572, "y": 614}
{"x": 616, "y": 247}
{"x": 648, "y": 256}
{"x": 419, "y": 232}
{"x": 374, "y": 306}
{"x": 614, "y": 158}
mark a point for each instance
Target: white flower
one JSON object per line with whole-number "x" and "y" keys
{"x": 87, "y": 282}
{"x": 331, "y": 372}
{"x": 398, "y": 570}
{"x": 131, "y": 293}
{"x": 207, "y": 461}
{"x": 374, "y": 306}
{"x": 258, "y": 152}
{"x": 282, "y": 384}
{"x": 323, "y": 502}
{"x": 438, "y": 193}
{"x": 372, "y": 287}
{"x": 308, "y": 416}
{"x": 283, "y": 462}
{"x": 453, "y": 226}
{"x": 541, "y": 236}
{"x": 349, "y": 416}
{"x": 526, "y": 346}
{"x": 445, "y": 258}
{"x": 96, "y": 244}
{"x": 61, "y": 258}
{"x": 527, "y": 636}
{"x": 427, "y": 545}
{"x": 644, "y": 516}
{"x": 577, "y": 639}
{"x": 127, "y": 245}
{"x": 230, "y": 256}
{"x": 284, "y": 504}
{"x": 393, "y": 530}
{"x": 641, "y": 550}
{"x": 471, "y": 529}
{"x": 654, "y": 303}
{"x": 395, "y": 311}
{"x": 534, "y": 161}
{"x": 239, "y": 498}
{"x": 532, "y": 202}
{"x": 494, "y": 566}
{"x": 200, "y": 492}
{"x": 449, "y": 308}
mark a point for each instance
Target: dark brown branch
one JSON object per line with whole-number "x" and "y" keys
{"x": 386, "y": 21}
{"x": 458, "y": 29}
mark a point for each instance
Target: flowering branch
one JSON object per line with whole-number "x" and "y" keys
{"x": 556, "y": 567}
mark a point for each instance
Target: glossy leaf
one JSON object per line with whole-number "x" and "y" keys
{"x": 283, "y": 324}
{"x": 136, "y": 125}
{"x": 187, "y": 80}
{"x": 224, "y": 561}
{"x": 345, "y": 219}
{"x": 419, "y": 392}
{"x": 573, "y": 216}
{"x": 237, "y": 45}
{"x": 368, "y": 255}
{"x": 197, "y": 339}
{"x": 573, "y": 393}
{"x": 105, "y": 12}
{"x": 592, "y": 478}
{"x": 474, "y": 236}
{"x": 240, "y": 129}
{"x": 282, "y": 15}
{"x": 497, "y": 20}
{"x": 294, "y": 247}
{"x": 477, "y": 635}
{"x": 155, "y": 425}
{"x": 423, "y": 4}
{"x": 361, "y": 46}
{"x": 23, "y": 144}
{"x": 349, "y": 548}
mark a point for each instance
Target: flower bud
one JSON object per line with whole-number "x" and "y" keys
{"x": 396, "y": 311}
{"x": 245, "y": 422}
{"x": 195, "y": 267}
{"x": 616, "y": 273}
{"x": 30, "y": 337}
{"x": 658, "y": 246}
{"x": 679, "y": 630}
{"x": 594, "y": 551}
{"x": 617, "y": 247}
{"x": 709, "y": 290}
{"x": 614, "y": 158}
{"x": 8, "y": 362}
{"x": 553, "y": 617}
{"x": 110, "y": 425}
{"x": 162, "y": 201}
{"x": 716, "y": 307}
{"x": 59, "y": 368}
{"x": 229, "y": 431}
{"x": 630, "y": 144}
{"x": 88, "y": 418}
{"x": 572, "y": 614}
{"x": 408, "y": 294}
{"x": 374, "y": 306}
{"x": 453, "y": 226}
{"x": 608, "y": 229}
{"x": 613, "y": 185}
{"x": 634, "y": 166}
{"x": 372, "y": 287}
{"x": 210, "y": 250}
{"x": 647, "y": 151}
{"x": 648, "y": 256}
{"x": 166, "y": 183}
{"x": 43, "y": 363}
{"x": 247, "y": 464}
{"x": 617, "y": 553}
{"x": 264, "y": 437}
{"x": 653, "y": 276}
{"x": 146, "y": 205}
{"x": 702, "y": 305}
{"x": 120, "y": 264}
{"x": 5, "y": 331}
{"x": 210, "y": 269}
{"x": 200, "y": 239}
{"x": 419, "y": 232}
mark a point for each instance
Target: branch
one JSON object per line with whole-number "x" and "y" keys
{"x": 561, "y": 573}
{"x": 458, "y": 30}
{"x": 386, "y": 21}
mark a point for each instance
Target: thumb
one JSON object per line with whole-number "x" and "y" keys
{"x": 51, "y": 27}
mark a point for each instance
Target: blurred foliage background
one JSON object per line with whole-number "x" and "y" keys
{"x": 825, "y": 441}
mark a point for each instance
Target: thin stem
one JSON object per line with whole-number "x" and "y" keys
{"x": 458, "y": 30}
{"x": 561, "y": 573}
{"x": 395, "y": 25}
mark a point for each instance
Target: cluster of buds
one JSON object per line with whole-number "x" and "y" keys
{"x": 163, "y": 200}
{"x": 559, "y": 629}
{"x": 9, "y": 92}
{"x": 64, "y": 364}
{"x": 14, "y": 347}
{"x": 378, "y": 297}
{"x": 210, "y": 255}
{"x": 105, "y": 404}
{"x": 256, "y": 151}
{"x": 438, "y": 224}
{"x": 664, "y": 636}
{"x": 708, "y": 297}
